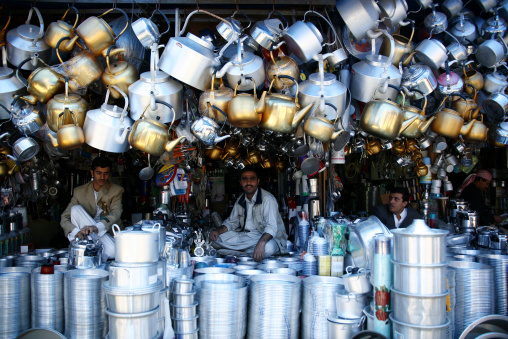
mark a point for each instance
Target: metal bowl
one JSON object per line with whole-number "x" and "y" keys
{"x": 182, "y": 285}
{"x": 269, "y": 268}
{"x": 225, "y": 278}
{"x": 209, "y": 261}
{"x": 213, "y": 270}
{"x": 288, "y": 271}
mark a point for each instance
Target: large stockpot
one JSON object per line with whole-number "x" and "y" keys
{"x": 420, "y": 279}
{"x": 136, "y": 246}
{"x": 133, "y": 326}
{"x": 350, "y": 305}
{"x": 367, "y": 311}
{"x": 339, "y": 328}
{"x": 132, "y": 300}
{"x": 406, "y": 330}
{"x": 155, "y": 228}
{"x": 132, "y": 275}
{"x": 245, "y": 64}
{"x": 419, "y": 244}
{"x": 419, "y": 309}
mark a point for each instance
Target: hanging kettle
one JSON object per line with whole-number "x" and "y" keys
{"x": 60, "y": 102}
{"x": 420, "y": 125}
{"x": 28, "y": 119}
{"x": 42, "y": 84}
{"x": 243, "y": 65}
{"x": 449, "y": 123}
{"x": 282, "y": 65}
{"x": 268, "y": 33}
{"x": 245, "y": 110}
{"x": 215, "y": 97}
{"x": 26, "y": 42}
{"x": 120, "y": 74}
{"x": 61, "y": 29}
{"x": 69, "y": 136}
{"x": 10, "y": 85}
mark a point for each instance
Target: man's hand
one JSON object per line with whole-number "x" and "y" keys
{"x": 259, "y": 251}
{"x": 214, "y": 235}
{"x": 85, "y": 231}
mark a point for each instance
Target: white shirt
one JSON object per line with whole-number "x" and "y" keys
{"x": 249, "y": 225}
{"x": 403, "y": 216}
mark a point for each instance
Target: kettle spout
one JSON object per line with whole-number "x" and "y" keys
{"x": 120, "y": 138}
{"x": 54, "y": 141}
{"x": 260, "y": 106}
{"x": 424, "y": 126}
{"x": 172, "y": 143}
{"x": 67, "y": 46}
{"x": 466, "y": 129}
{"x": 407, "y": 123}
{"x": 30, "y": 99}
{"x": 219, "y": 139}
{"x": 336, "y": 134}
{"x": 300, "y": 115}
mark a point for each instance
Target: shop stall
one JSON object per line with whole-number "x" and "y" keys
{"x": 271, "y": 169}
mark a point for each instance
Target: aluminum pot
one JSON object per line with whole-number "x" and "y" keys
{"x": 365, "y": 232}
{"x": 132, "y": 275}
{"x": 370, "y": 317}
{"x": 182, "y": 285}
{"x": 420, "y": 279}
{"x": 357, "y": 283}
{"x": 182, "y": 299}
{"x": 183, "y": 312}
{"x": 136, "y": 246}
{"x": 303, "y": 39}
{"x": 185, "y": 325}
{"x": 418, "y": 331}
{"x": 418, "y": 309}
{"x": 270, "y": 267}
{"x": 154, "y": 228}
{"x": 133, "y": 326}
{"x": 359, "y": 16}
{"x": 213, "y": 270}
{"x": 432, "y": 53}
{"x": 419, "y": 244}
{"x": 350, "y": 305}
{"x": 188, "y": 335}
{"x": 339, "y": 328}
{"x": 132, "y": 300}
{"x": 289, "y": 271}
{"x": 496, "y": 105}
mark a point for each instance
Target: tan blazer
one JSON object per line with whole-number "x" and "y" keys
{"x": 110, "y": 194}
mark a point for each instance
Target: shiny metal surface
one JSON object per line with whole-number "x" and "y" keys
{"x": 350, "y": 305}
{"x": 136, "y": 246}
{"x": 185, "y": 325}
{"x": 427, "y": 279}
{"x": 339, "y": 328}
{"x": 182, "y": 299}
{"x": 182, "y": 285}
{"x": 419, "y": 331}
{"x": 213, "y": 270}
{"x": 357, "y": 283}
{"x": 500, "y": 264}
{"x": 490, "y": 323}
{"x": 47, "y": 300}
{"x": 15, "y": 307}
{"x": 365, "y": 232}
{"x": 183, "y": 312}
{"x": 130, "y": 275}
{"x": 418, "y": 309}
{"x": 133, "y": 326}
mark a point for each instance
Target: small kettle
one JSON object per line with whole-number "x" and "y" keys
{"x": 61, "y": 29}
{"x": 121, "y": 74}
{"x": 205, "y": 129}
{"x": 69, "y": 136}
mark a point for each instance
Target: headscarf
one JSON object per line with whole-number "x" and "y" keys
{"x": 484, "y": 174}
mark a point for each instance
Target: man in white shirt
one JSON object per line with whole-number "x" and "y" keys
{"x": 397, "y": 213}
{"x": 255, "y": 225}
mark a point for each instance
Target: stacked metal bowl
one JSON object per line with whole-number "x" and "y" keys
{"x": 47, "y": 300}
{"x": 133, "y": 295}
{"x": 14, "y": 303}
{"x": 274, "y": 306}
{"x": 222, "y": 306}
{"x": 318, "y": 299}
{"x": 31, "y": 261}
{"x": 84, "y": 304}
{"x": 419, "y": 293}
{"x": 500, "y": 264}
{"x": 183, "y": 308}
{"x": 474, "y": 287}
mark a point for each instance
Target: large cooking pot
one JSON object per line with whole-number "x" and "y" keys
{"x": 132, "y": 275}
{"x": 136, "y": 245}
{"x": 350, "y": 305}
{"x": 106, "y": 128}
{"x": 163, "y": 88}
{"x": 10, "y": 85}
{"x": 245, "y": 110}
{"x": 25, "y": 42}
{"x": 154, "y": 227}
{"x": 339, "y": 328}
{"x": 60, "y": 29}
{"x": 119, "y": 74}
{"x": 356, "y": 282}
{"x": 98, "y": 35}
{"x": 190, "y": 59}
{"x": 60, "y": 102}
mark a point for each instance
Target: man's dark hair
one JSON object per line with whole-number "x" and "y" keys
{"x": 101, "y": 162}
{"x": 251, "y": 168}
{"x": 402, "y": 190}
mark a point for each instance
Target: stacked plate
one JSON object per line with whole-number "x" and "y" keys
{"x": 318, "y": 300}
{"x": 222, "y": 306}
{"x": 318, "y": 246}
{"x": 292, "y": 262}
{"x": 500, "y": 264}
{"x": 47, "y": 300}
{"x": 303, "y": 233}
{"x": 85, "y": 304}
{"x": 14, "y": 304}
{"x": 274, "y": 306}
{"x": 474, "y": 288}
{"x": 31, "y": 261}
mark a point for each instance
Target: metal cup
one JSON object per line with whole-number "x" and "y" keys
{"x": 451, "y": 160}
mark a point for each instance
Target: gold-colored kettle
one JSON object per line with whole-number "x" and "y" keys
{"x": 321, "y": 128}
{"x": 449, "y": 123}
{"x": 420, "y": 125}
{"x": 76, "y": 104}
{"x": 282, "y": 113}
{"x": 69, "y": 136}
{"x": 97, "y": 34}
{"x": 213, "y": 152}
{"x": 61, "y": 29}
{"x": 466, "y": 106}
{"x": 478, "y": 132}
{"x": 245, "y": 110}
{"x": 373, "y": 147}
{"x": 42, "y": 84}
{"x": 284, "y": 65}
{"x": 121, "y": 74}
{"x": 215, "y": 97}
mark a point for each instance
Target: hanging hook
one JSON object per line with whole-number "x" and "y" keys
{"x": 237, "y": 7}
{"x": 158, "y": 6}
{"x": 197, "y": 5}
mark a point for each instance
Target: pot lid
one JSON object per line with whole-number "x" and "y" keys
{"x": 200, "y": 41}
{"x": 117, "y": 66}
{"x": 419, "y": 228}
{"x": 159, "y": 77}
{"x": 6, "y": 73}
{"x": 247, "y": 57}
{"x": 333, "y": 317}
{"x": 494, "y": 25}
{"x": 112, "y": 110}
{"x": 329, "y": 79}
{"x": 137, "y": 231}
{"x": 436, "y": 19}
{"x": 463, "y": 30}
{"x": 29, "y": 32}
{"x": 70, "y": 98}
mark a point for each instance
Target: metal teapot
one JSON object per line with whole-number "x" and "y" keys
{"x": 449, "y": 123}
{"x": 282, "y": 112}
{"x": 42, "y": 84}
{"x": 10, "y": 85}
{"x": 206, "y": 130}
{"x": 420, "y": 125}
{"x": 69, "y": 136}
{"x": 26, "y": 41}
{"x": 245, "y": 110}
{"x": 213, "y": 152}
{"x": 28, "y": 119}
{"x": 282, "y": 65}
{"x": 472, "y": 77}
{"x": 152, "y": 136}
{"x": 61, "y": 29}
{"x": 385, "y": 119}
{"x": 243, "y": 65}
{"x": 466, "y": 106}
{"x": 321, "y": 128}
{"x": 402, "y": 46}
{"x": 60, "y": 102}
{"x": 215, "y": 97}
{"x": 268, "y": 33}
{"x": 478, "y": 132}
{"x": 98, "y": 35}
{"x": 121, "y": 74}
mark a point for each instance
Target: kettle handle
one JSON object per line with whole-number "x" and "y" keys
{"x": 77, "y": 16}
{"x": 108, "y": 54}
{"x": 25, "y": 82}
{"x": 165, "y": 19}
{"x": 61, "y": 116}
{"x": 126, "y": 19}
{"x": 245, "y": 15}
{"x": 58, "y": 48}
{"x": 240, "y": 81}
{"x": 170, "y": 107}
{"x": 281, "y": 16}
{"x": 424, "y": 99}
{"x": 329, "y": 24}
{"x": 396, "y": 88}
{"x": 126, "y": 99}
{"x": 4, "y": 56}
{"x": 285, "y": 77}
{"x": 41, "y": 24}
{"x": 474, "y": 91}
{"x": 115, "y": 228}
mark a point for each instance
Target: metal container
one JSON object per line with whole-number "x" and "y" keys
{"x": 190, "y": 335}
{"x": 185, "y": 325}
{"x": 270, "y": 267}
{"x": 85, "y": 253}
{"x": 406, "y": 330}
{"x": 132, "y": 275}
{"x": 364, "y": 234}
{"x": 30, "y": 261}
{"x": 133, "y": 326}
{"x": 47, "y": 300}
{"x": 357, "y": 283}
{"x": 220, "y": 278}
{"x": 246, "y": 274}
{"x": 182, "y": 285}
{"x": 136, "y": 246}
{"x": 183, "y": 312}
{"x": 132, "y": 300}
{"x": 419, "y": 244}
{"x": 350, "y": 305}
{"x": 339, "y": 328}
{"x": 15, "y": 305}
{"x": 367, "y": 311}
{"x": 288, "y": 271}
{"x": 150, "y": 226}
{"x": 500, "y": 264}
{"x": 182, "y": 299}
{"x": 418, "y": 309}
{"x": 242, "y": 267}
{"x": 209, "y": 261}
{"x": 213, "y": 270}
{"x": 420, "y": 279}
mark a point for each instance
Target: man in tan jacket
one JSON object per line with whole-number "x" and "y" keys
{"x": 95, "y": 207}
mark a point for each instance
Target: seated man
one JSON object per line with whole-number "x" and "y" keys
{"x": 255, "y": 225}
{"x": 397, "y": 213}
{"x": 95, "y": 207}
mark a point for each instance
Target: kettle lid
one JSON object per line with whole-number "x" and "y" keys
{"x": 419, "y": 227}
{"x": 329, "y": 79}
{"x": 200, "y": 41}
{"x": 29, "y": 32}
{"x": 6, "y": 73}
{"x": 159, "y": 77}
{"x": 112, "y": 110}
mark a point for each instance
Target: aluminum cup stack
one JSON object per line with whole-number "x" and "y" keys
{"x": 183, "y": 308}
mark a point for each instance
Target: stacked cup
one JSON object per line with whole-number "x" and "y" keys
{"x": 133, "y": 293}
{"x": 419, "y": 292}
{"x": 184, "y": 308}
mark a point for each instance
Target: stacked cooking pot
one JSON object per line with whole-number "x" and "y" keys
{"x": 184, "y": 308}
{"x": 420, "y": 291}
{"x": 133, "y": 290}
